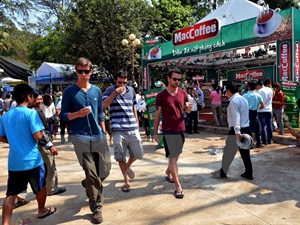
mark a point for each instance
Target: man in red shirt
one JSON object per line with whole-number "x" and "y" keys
{"x": 171, "y": 102}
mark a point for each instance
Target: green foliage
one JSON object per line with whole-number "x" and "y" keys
{"x": 46, "y": 49}
{"x": 201, "y": 8}
{"x": 170, "y": 15}
{"x": 14, "y": 43}
{"x": 95, "y": 29}
{"x": 282, "y": 4}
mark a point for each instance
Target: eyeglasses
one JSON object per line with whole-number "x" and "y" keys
{"x": 120, "y": 82}
{"x": 83, "y": 71}
{"x": 176, "y": 79}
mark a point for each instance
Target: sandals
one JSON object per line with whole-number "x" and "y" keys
{"x": 18, "y": 204}
{"x": 60, "y": 190}
{"x": 130, "y": 174}
{"x": 48, "y": 213}
{"x": 169, "y": 179}
{"x": 178, "y": 194}
{"x": 126, "y": 188}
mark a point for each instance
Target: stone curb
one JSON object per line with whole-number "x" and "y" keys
{"x": 284, "y": 140}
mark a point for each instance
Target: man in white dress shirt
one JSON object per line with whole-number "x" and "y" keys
{"x": 238, "y": 121}
{"x": 265, "y": 114}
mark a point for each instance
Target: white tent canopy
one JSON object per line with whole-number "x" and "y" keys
{"x": 234, "y": 11}
{"x": 55, "y": 69}
{"x": 9, "y": 79}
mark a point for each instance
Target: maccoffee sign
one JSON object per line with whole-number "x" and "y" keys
{"x": 297, "y": 61}
{"x": 285, "y": 61}
{"x": 253, "y": 74}
{"x": 197, "y": 32}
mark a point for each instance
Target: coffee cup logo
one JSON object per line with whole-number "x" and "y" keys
{"x": 267, "y": 22}
{"x": 154, "y": 53}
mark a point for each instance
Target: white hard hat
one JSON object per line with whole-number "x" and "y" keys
{"x": 246, "y": 142}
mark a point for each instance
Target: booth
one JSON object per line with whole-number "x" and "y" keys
{"x": 52, "y": 74}
{"x": 54, "y": 77}
{"x": 241, "y": 39}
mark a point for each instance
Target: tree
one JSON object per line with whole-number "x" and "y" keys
{"x": 282, "y": 4}
{"x": 170, "y": 15}
{"x": 201, "y": 8}
{"x": 4, "y": 43}
{"x": 14, "y": 10}
{"x": 94, "y": 29}
{"x": 46, "y": 49}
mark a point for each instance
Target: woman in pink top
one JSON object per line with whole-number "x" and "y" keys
{"x": 216, "y": 106}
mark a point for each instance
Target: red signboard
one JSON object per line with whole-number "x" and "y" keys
{"x": 145, "y": 78}
{"x": 197, "y": 32}
{"x": 249, "y": 75}
{"x": 289, "y": 83}
{"x": 198, "y": 77}
{"x": 285, "y": 61}
{"x": 297, "y": 61}
{"x": 152, "y": 41}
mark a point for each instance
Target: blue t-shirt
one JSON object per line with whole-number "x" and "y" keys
{"x": 254, "y": 99}
{"x": 74, "y": 99}
{"x": 18, "y": 125}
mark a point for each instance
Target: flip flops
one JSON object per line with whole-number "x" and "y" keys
{"x": 49, "y": 212}
{"x": 130, "y": 174}
{"x": 58, "y": 191}
{"x": 18, "y": 204}
{"x": 178, "y": 194}
{"x": 169, "y": 179}
{"x": 126, "y": 188}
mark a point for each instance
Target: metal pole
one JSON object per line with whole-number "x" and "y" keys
{"x": 51, "y": 89}
{"x": 132, "y": 55}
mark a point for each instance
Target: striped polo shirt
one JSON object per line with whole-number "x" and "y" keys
{"x": 121, "y": 109}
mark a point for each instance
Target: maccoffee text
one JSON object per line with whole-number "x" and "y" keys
{"x": 284, "y": 61}
{"x": 197, "y": 32}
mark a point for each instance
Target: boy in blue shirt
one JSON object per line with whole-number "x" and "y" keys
{"x": 21, "y": 128}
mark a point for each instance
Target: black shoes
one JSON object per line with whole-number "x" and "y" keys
{"x": 247, "y": 176}
{"x": 219, "y": 174}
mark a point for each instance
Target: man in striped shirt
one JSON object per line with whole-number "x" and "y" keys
{"x": 124, "y": 124}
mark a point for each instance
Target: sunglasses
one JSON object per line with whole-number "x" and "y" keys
{"x": 120, "y": 82}
{"x": 176, "y": 79}
{"x": 83, "y": 71}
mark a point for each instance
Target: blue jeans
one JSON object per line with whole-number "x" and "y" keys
{"x": 255, "y": 126}
{"x": 265, "y": 119}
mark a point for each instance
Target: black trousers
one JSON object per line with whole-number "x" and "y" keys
{"x": 193, "y": 116}
{"x": 230, "y": 150}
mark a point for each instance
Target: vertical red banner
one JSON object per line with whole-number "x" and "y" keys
{"x": 297, "y": 61}
{"x": 285, "y": 61}
{"x": 145, "y": 77}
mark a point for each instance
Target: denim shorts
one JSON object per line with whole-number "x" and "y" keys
{"x": 130, "y": 140}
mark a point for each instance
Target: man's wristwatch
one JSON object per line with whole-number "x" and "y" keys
{"x": 105, "y": 132}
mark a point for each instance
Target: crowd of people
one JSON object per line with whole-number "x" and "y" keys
{"x": 89, "y": 114}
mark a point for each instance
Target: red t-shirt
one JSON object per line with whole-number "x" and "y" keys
{"x": 172, "y": 108}
{"x": 279, "y": 96}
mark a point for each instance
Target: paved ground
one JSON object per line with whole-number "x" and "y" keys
{"x": 271, "y": 198}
